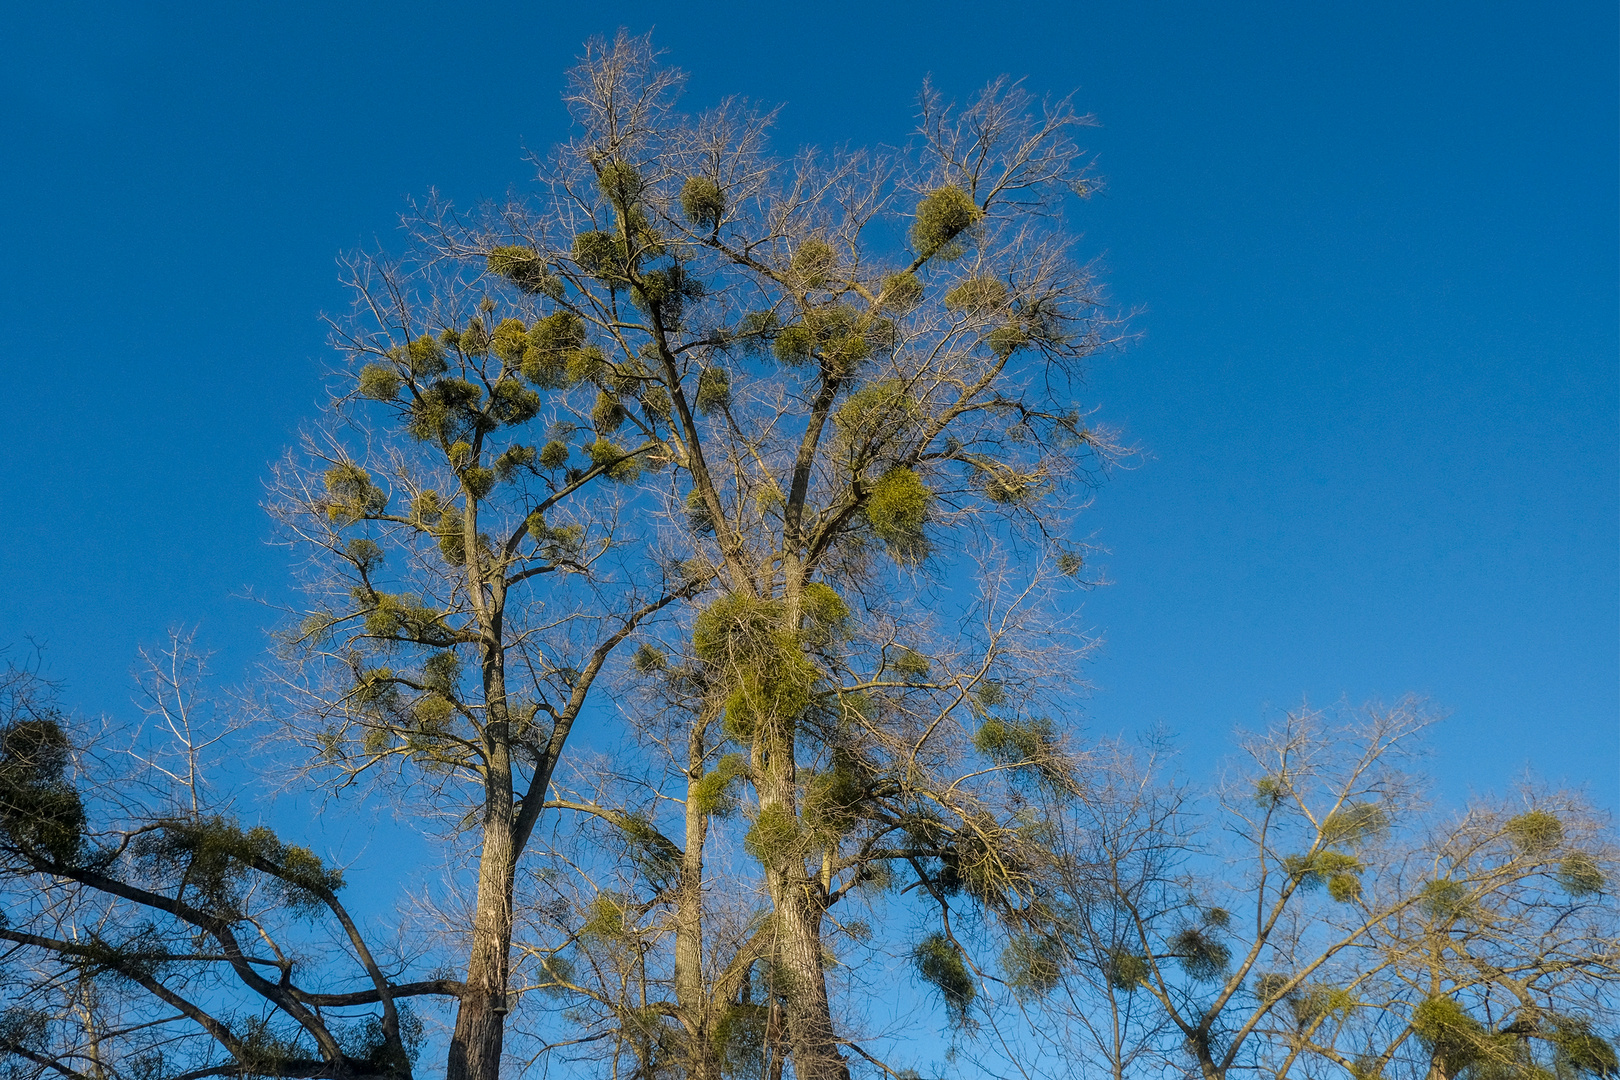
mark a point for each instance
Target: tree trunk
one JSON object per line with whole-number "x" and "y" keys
{"x": 809, "y": 1014}
{"x": 798, "y": 898}
{"x": 702, "y": 1060}
{"x": 475, "y": 1046}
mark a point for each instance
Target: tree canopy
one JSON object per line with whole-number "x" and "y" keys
{"x": 769, "y": 472}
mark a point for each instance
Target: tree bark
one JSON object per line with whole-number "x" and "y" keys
{"x": 797, "y": 896}
{"x": 475, "y": 1046}
{"x": 702, "y": 1060}
{"x": 808, "y": 1010}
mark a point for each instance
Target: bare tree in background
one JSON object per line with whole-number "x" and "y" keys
{"x": 147, "y": 932}
{"x": 1333, "y": 925}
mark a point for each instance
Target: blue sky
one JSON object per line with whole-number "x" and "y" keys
{"x": 1373, "y": 248}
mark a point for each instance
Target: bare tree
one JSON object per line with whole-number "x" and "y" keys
{"x": 772, "y": 403}
{"x": 148, "y": 932}
{"x": 1333, "y": 922}
{"x": 861, "y": 366}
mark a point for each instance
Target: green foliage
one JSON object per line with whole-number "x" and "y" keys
{"x": 826, "y": 616}
{"x": 380, "y": 382}
{"x": 710, "y": 794}
{"x": 874, "y": 410}
{"x": 621, "y": 466}
{"x": 512, "y": 403}
{"x": 479, "y": 482}
{"x": 427, "y": 508}
{"x": 754, "y": 330}
{"x": 1444, "y": 899}
{"x": 586, "y": 365}
{"x": 601, "y": 255}
{"x": 422, "y": 358}
{"x": 1315, "y": 1001}
{"x": 832, "y": 799}
{"x": 41, "y": 813}
{"x": 1450, "y": 1034}
{"x": 366, "y": 554}
{"x": 447, "y": 412}
{"x": 649, "y": 660}
{"x": 989, "y": 693}
{"x": 713, "y": 391}
{"x": 940, "y": 963}
{"x": 405, "y": 618}
{"x": 1344, "y": 888}
{"x": 513, "y": 460}
{"x": 511, "y": 337}
{"x": 838, "y": 331}
{"x": 794, "y": 345}
{"x": 474, "y": 338}
{"x": 1006, "y": 340}
{"x": 912, "y": 666}
{"x": 1579, "y": 875}
{"x": 262, "y": 1050}
{"x": 897, "y": 508}
{"x": 702, "y": 201}
{"x": 351, "y": 495}
{"x": 654, "y": 855}
{"x": 668, "y": 292}
{"x": 1354, "y": 824}
{"x": 441, "y": 671}
{"x": 1070, "y": 563}
{"x": 1269, "y": 986}
{"x": 1366, "y": 1067}
{"x": 605, "y": 919}
{"x": 943, "y": 216}
{"x": 902, "y": 291}
{"x": 813, "y": 262}
{"x": 213, "y": 857}
{"x": 524, "y": 268}
{"x": 1203, "y": 957}
{"x": 450, "y": 531}
{"x": 1535, "y": 832}
{"x": 977, "y": 295}
{"x": 620, "y": 183}
{"x": 1125, "y": 970}
{"x": 774, "y": 837}
{"x": 1321, "y": 867}
{"x": 559, "y": 543}
{"x": 554, "y": 455}
{"x": 365, "y": 1042}
{"x": 1031, "y": 965}
{"x": 1271, "y": 790}
{"x": 551, "y": 341}
{"x": 432, "y": 713}
{"x": 1002, "y": 484}
{"x": 739, "y": 1038}
{"x": 608, "y": 413}
{"x": 697, "y": 512}
{"x": 759, "y": 659}
{"x": 1015, "y": 742}
{"x": 655, "y": 399}
{"x": 983, "y": 858}
{"x": 1577, "y": 1047}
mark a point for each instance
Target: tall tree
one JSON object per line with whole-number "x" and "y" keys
{"x": 471, "y": 570}
{"x": 860, "y": 370}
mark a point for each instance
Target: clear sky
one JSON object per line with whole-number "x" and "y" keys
{"x": 1373, "y": 247}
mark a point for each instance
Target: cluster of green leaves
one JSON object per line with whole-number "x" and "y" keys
{"x": 41, "y": 814}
